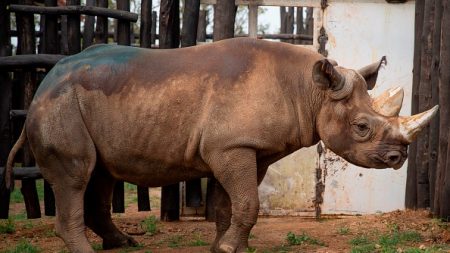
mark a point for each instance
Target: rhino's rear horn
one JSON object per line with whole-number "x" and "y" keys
{"x": 326, "y": 76}
{"x": 389, "y": 103}
{"x": 370, "y": 72}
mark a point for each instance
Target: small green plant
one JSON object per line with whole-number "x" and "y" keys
{"x": 174, "y": 241}
{"x": 97, "y": 246}
{"x": 198, "y": 242}
{"x": 366, "y": 248}
{"x": 7, "y": 227}
{"x": 250, "y": 250}
{"x": 23, "y": 247}
{"x": 280, "y": 249}
{"x": 343, "y": 230}
{"x": 359, "y": 240}
{"x": 251, "y": 236}
{"x": 150, "y": 225}
{"x": 294, "y": 239}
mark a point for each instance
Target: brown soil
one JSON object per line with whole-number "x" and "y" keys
{"x": 269, "y": 234}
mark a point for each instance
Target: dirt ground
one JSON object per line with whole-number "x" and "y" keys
{"x": 332, "y": 234}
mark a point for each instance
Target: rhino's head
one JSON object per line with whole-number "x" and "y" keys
{"x": 365, "y": 131}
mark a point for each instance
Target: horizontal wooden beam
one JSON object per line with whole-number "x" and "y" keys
{"x": 86, "y": 10}
{"x": 292, "y": 3}
{"x": 29, "y": 61}
{"x": 23, "y": 172}
{"x": 280, "y": 36}
{"x": 18, "y": 113}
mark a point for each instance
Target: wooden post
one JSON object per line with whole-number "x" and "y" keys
{"x": 101, "y": 28}
{"x": 442, "y": 194}
{"x": 88, "y": 33}
{"x": 123, "y": 38}
{"x": 73, "y": 29}
{"x": 422, "y": 156}
{"x": 146, "y": 42}
{"x": 27, "y": 45}
{"x": 5, "y": 104}
{"x": 154, "y": 18}
{"x": 202, "y": 23}
{"x": 433, "y": 144}
{"x": 169, "y": 37}
{"x": 287, "y": 21}
{"x": 300, "y": 24}
{"x": 50, "y": 46}
{"x": 253, "y": 20}
{"x": 224, "y": 18}
{"x": 411, "y": 181}
{"x": 190, "y": 23}
{"x": 146, "y": 24}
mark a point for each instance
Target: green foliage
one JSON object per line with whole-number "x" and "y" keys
{"x": 251, "y": 236}
{"x": 294, "y": 239}
{"x": 174, "y": 241}
{"x": 359, "y": 240}
{"x": 150, "y": 225}
{"x": 17, "y": 197}
{"x": 19, "y": 216}
{"x": 7, "y": 226}
{"x": 97, "y": 246}
{"x": 250, "y": 250}
{"x": 343, "y": 230}
{"x": 23, "y": 247}
{"x": 366, "y": 248}
{"x": 198, "y": 242}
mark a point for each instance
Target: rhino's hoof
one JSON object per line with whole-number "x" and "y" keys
{"x": 127, "y": 241}
{"x": 226, "y": 248}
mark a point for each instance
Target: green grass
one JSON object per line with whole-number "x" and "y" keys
{"x": 250, "y": 250}
{"x": 198, "y": 242}
{"x": 23, "y": 247}
{"x": 294, "y": 239}
{"x": 97, "y": 246}
{"x": 150, "y": 225}
{"x": 366, "y": 248}
{"x": 343, "y": 231}
{"x": 17, "y": 197}
{"x": 19, "y": 216}
{"x": 7, "y": 226}
{"x": 386, "y": 243}
{"x": 251, "y": 236}
{"x": 359, "y": 240}
{"x": 174, "y": 241}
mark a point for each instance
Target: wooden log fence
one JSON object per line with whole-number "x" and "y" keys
{"x": 428, "y": 174}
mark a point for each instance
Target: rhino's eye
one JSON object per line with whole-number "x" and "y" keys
{"x": 362, "y": 129}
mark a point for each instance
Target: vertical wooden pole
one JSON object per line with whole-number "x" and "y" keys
{"x": 433, "y": 144}
{"x": 224, "y": 19}
{"x": 146, "y": 24}
{"x": 411, "y": 181}
{"x": 422, "y": 156}
{"x": 123, "y": 38}
{"x": 202, "y": 23}
{"x": 190, "y": 23}
{"x": 146, "y": 42}
{"x": 27, "y": 45}
{"x": 253, "y": 20}
{"x": 300, "y": 24}
{"x": 169, "y": 37}
{"x": 89, "y": 21}
{"x": 101, "y": 29}
{"x": 73, "y": 29}
{"x": 50, "y": 46}
{"x": 154, "y": 19}
{"x": 442, "y": 195}
{"x": 5, "y": 105}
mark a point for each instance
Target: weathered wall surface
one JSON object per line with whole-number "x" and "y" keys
{"x": 359, "y": 33}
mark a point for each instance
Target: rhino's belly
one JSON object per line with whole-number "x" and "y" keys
{"x": 153, "y": 173}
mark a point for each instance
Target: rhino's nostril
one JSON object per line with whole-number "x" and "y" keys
{"x": 393, "y": 157}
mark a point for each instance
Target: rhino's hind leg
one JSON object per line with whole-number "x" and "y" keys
{"x": 97, "y": 210}
{"x": 236, "y": 171}
{"x": 223, "y": 214}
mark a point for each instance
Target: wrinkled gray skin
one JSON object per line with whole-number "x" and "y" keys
{"x": 227, "y": 109}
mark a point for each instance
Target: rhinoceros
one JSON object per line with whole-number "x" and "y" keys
{"x": 225, "y": 110}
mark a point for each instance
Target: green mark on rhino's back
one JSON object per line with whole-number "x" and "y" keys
{"x": 93, "y": 57}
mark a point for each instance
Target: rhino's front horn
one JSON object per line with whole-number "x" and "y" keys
{"x": 389, "y": 103}
{"x": 412, "y": 125}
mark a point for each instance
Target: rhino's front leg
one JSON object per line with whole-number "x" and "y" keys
{"x": 236, "y": 171}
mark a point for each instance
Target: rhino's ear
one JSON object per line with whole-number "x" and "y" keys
{"x": 325, "y": 76}
{"x": 370, "y": 72}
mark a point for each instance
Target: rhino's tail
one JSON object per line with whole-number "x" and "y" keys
{"x": 9, "y": 177}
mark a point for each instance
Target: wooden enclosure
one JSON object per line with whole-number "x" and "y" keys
{"x": 67, "y": 29}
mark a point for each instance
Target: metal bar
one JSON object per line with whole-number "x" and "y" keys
{"x": 18, "y": 113}
{"x": 24, "y": 172}
{"x": 86, "y": 10}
